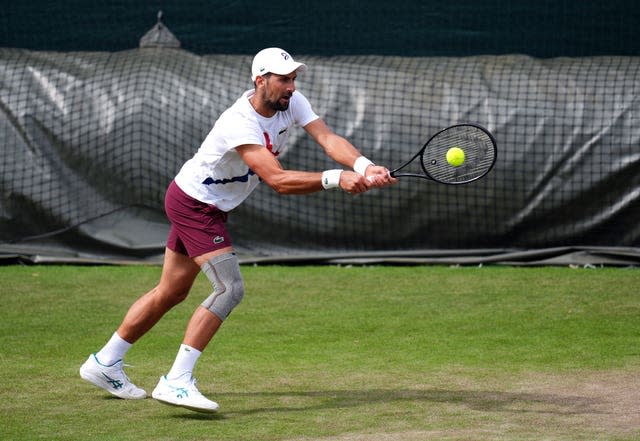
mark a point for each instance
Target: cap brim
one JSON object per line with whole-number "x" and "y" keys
{"x": 282, "y": 70}
{"x": 294, "y": 67}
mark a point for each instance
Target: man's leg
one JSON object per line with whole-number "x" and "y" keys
{"x": 178, "y": 386}
{"x": 105, "y": 368}
{"x": 178, "y": 273}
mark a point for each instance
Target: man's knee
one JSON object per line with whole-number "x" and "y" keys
{"x": 223, "y": 272}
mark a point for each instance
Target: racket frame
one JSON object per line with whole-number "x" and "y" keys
{"x": 420, "y": 154}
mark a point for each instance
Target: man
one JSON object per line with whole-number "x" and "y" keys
{"x": 240, "y": 151}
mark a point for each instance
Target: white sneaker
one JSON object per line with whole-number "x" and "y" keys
{"x": 110, "y": 378}
{"x": 183, "y": 392}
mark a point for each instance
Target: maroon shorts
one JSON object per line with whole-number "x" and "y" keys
{"x": 197, "y": 228}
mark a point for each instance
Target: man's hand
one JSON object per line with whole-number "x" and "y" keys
{"x": 354, "y": 183}
{"x": 379, "y": 176}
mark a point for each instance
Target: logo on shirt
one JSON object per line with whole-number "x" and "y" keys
{"x": 267, "y": 140}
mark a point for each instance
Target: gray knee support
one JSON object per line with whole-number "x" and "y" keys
{"x": 223, "y": 272}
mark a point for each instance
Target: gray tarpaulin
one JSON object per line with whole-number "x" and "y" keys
{"x": 90, "y": 141}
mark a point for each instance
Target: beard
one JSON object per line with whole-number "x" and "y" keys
{"x": 279, "y": 105}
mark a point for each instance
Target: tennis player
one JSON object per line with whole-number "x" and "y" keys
{"x": 240, "y": 151}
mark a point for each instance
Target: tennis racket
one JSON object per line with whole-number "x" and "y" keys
{"x": 442, "y": 161}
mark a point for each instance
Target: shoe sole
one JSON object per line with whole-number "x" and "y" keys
{"x": 193, "y": 408}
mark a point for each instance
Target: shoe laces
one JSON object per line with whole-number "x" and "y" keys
{"x": 191, "y": 386}
{"x": 124, "y": 375}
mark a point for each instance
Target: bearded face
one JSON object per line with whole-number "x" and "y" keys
{"x": 277, "y": 91}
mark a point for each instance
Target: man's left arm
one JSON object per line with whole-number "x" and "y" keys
{"x": 345, "y": 153}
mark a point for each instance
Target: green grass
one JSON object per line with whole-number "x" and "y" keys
{"x": 337, "y": 353}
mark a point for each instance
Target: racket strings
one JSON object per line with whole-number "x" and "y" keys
{"x": 479, "y": 154}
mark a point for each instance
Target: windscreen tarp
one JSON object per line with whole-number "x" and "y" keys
{"x": 90, "y": 140}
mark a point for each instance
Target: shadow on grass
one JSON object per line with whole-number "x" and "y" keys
{"x": 487, "y": 401}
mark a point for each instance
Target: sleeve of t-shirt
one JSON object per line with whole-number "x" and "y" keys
{"x": 240, "y": 131}
{"x": 303, "y": 114}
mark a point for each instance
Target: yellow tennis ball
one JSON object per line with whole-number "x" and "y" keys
{"x": 455, "y": 156}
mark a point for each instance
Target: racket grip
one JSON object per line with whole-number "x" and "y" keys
{"x": 370, "y": 178}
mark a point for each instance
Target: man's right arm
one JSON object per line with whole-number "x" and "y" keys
{"x": 283, "y": 181}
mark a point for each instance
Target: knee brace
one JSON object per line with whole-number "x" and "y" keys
{"x": 223, "y": 272}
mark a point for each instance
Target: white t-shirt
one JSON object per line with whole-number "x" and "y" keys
{"x": 216, "y": 174}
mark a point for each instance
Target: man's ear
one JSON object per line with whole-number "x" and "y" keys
{"x": 260, "y": 80}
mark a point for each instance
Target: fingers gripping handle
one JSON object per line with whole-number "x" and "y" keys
{"x": 390, "y": 173}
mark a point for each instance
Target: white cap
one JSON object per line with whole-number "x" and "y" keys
{"x": 274, "y": 60}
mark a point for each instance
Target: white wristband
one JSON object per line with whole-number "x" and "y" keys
{"x": 331, "y": 179}
{"x": 361, "y": 164}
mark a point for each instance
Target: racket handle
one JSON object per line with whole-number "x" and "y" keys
{"x": 370, "y": 178}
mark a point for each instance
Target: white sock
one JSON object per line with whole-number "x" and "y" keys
{"x": 113, "y": 351}
{"x": 185, "y": 362}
